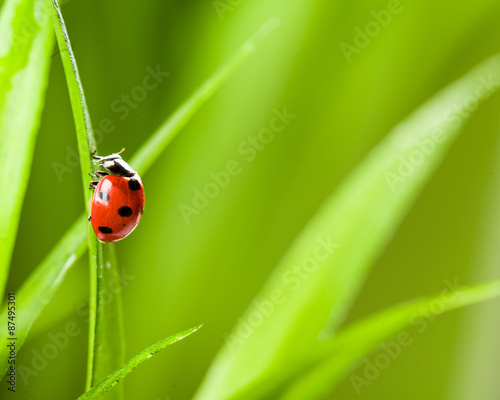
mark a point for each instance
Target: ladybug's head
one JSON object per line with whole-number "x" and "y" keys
{"x": 115, "y": 164}
{"x": 109, "y": 161}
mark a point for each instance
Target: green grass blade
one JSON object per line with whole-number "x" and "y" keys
{"x": 157, "y": 143}
{"x": 319, "y": 277}
{"x": 106, "y": 338}
{"x": 110, "y": 381}
{"x": 341, "y": 354}
{"x": 42, "y": 285}
{"x": 83, "y": 125}
{"x": 109, "y": 352}
{"x": 49, "y": 269}
{"x": 26, "y": 42}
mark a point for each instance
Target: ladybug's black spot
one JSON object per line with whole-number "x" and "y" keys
{"x": 105, "y": 229}
{"x": 125, "y": 211}
{"x": 104, "y": 196}
{"x": 134, "y": 184}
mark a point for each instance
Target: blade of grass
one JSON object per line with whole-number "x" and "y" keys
{"x": 110, "y": 381}
{"x": 26, "y": 42}
{"x": 51, "y": 272}
{"x": 106, "y": 339}
{"x": 83, "y": 125}
{"x": 110, "y": 336}
{"x": 319, "y": 277}
{"x": 158, "y": 142}
{"x": 341, "y": 354}
{"x": 32, "y": 298}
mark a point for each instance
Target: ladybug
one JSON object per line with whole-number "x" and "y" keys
{"x": 118, "y": 201}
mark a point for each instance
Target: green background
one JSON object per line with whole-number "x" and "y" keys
{"x": 209, "y": 270}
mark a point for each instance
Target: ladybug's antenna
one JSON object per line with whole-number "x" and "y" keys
{"x": 121, "y": 151}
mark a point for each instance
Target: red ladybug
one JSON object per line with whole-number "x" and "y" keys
{"x": 118, "y": 200}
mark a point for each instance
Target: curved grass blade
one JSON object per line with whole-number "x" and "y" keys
{"x": 158, "y": 142}
{"x": 106, "y": 338}
{"x": 110, "y": 381}
{"x": 340, "y": 355}
{"x": 32, "y": 297}
{"x": 319, "y": 277}
{"x": 49, "y": 270}
{"x": 26, "y": 42}
{"x": 83, "y": 125}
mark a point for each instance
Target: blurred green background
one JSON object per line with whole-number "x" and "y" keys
{"x": 208, "y": 270}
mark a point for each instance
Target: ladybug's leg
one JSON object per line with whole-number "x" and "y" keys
{"x": 99, "y": 174}
{"x": 93, "y": 184}
{"x": 94, "y": 156}
{"x": 89, "y": 218}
